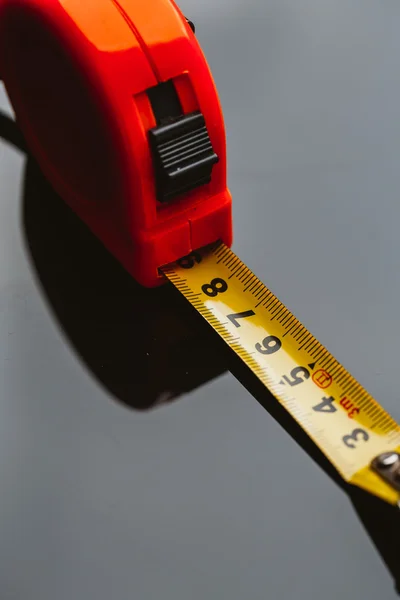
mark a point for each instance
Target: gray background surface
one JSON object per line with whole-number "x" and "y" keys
{"x": 208, "y": 496}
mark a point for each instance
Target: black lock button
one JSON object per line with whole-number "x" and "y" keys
{"x": 183, "y": 155}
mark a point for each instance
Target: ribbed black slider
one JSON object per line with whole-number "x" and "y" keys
{"x": 183, "y": 155}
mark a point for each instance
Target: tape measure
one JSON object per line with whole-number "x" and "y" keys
{"x": 118, "y": 105}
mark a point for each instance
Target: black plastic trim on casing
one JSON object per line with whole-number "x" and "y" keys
{"x": 165, "y": 102}
{"x": 191, "y": 25}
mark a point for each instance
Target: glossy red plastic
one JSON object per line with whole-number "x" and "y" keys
{"x": 76, "y": 73}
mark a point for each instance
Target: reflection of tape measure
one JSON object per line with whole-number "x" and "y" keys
{"x": 347, "y": 424}
{"x": 117, "y": 103}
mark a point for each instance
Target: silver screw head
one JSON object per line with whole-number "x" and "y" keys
{"x": 387, "y": 459}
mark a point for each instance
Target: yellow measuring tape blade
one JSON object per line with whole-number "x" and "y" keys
{"x": 345, "y": 422}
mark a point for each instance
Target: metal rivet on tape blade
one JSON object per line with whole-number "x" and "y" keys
{"x": 387, "y": 466}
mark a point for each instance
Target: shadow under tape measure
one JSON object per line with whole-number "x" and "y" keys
{"x": 140, "y": 344}
{"x": 149, "y": 346}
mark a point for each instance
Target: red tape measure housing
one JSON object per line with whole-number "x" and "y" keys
{"x": 118, "y": 105}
